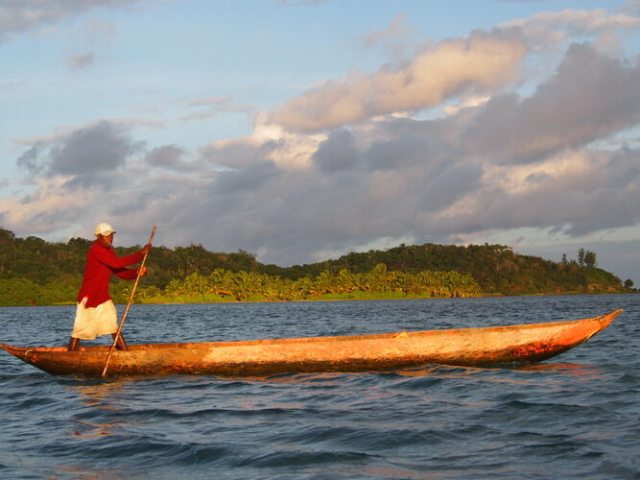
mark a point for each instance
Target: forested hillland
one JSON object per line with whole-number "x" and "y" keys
{"x": 36, "y": 272}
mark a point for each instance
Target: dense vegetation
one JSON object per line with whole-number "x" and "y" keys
{"x": 36, "y": 272}
{"x": 496, "y": 268}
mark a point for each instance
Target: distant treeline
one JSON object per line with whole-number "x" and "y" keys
{"x": 36, "y": 272}
{"x": 377, "y": 283}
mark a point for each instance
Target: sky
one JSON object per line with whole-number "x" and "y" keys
{"x": 303, "y": 130}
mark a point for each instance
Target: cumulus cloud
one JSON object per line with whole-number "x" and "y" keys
{"x": 101, "y": 147}
{"x": 339, "y": 152}
{"x": 169, "y": 156}
{"x": 50, "y": 206}
{"x": 267, "y": 142}
{"x": 482, "y": 62}
{"x": 238, "y": 153}
{"x": 576, "y": 203}
{"x": 84, "y": 155}
{"x": 590, "y": 97}
{"x": 250, "y": 179}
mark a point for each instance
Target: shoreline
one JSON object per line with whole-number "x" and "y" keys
{"x": 325, "y": 298}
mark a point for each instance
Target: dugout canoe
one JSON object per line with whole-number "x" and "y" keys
{"x": 482, "y": 347}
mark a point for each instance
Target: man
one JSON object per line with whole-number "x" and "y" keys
{"x": 96, "y": 314}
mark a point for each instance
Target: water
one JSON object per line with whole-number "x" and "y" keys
{"x": 573, "y": 416}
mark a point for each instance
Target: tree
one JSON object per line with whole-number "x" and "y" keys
{"x": 628, "y": 283}
{"x": 581, "y": 255}
{"x": 590, "y": 259}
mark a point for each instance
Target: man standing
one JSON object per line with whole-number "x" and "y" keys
{"x": 96, "y": 314}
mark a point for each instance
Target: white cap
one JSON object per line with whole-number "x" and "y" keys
{"x": 104, "y": 229}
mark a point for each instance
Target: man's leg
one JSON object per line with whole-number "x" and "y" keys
{"x": 74, "y": 344}
{"x": 120, "y": 343}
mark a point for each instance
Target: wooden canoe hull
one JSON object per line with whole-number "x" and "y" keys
{"x": 484, "y": 347}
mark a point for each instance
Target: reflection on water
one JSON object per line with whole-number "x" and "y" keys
{"x": 84, "y": 429}
{"x": 96, "y": 396}
{"x": 575, "y": 369}
{"x": 93, "y": 395}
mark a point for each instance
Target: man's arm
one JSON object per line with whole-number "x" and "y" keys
{"x": 130, "y": 273}
{"x": 109, "y": 258}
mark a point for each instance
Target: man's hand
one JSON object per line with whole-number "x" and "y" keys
{"x": 142, "y": 271}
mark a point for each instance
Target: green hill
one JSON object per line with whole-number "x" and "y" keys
{"x": 33, "y": 271}
{"x": 496, "y": 268}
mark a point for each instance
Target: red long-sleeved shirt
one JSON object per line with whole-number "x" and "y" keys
{"x": 102, "y": 262}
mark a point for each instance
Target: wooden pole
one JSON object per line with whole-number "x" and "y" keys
{"x": 126, "y": 310}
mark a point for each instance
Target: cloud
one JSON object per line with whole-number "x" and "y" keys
{"x": 168, "y": 156}
{"x": 250, "y": 179}
{"x": 397, "y": 29}
{"x": 49, "y": 208}
{"x": 239, "y": 153}
{"x": 476, "y": 66}
{"x": 29, "y": 160}
{"x": 631, "y": 7}
{"x": 480, "y": 63}
{"x": 512, "y": 163}
{"x": 98, "y": 148}
{"x": 590, "y": 97}
{"x": 80, "y": 61}
{"x": 267, "y": 142}
{"x": 94, "y": 35}
{"x": 84, "y": 156}
{"x": 546, "y": 29}
{"x": 208, "y": 107}
{"x": 337, "y": 153}
{"x": 394, "y": 40}
{"x": 451, "y": 185}
{"x": 17, "y": 16}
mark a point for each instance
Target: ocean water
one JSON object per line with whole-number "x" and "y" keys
{"x": 573, "y": 416}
